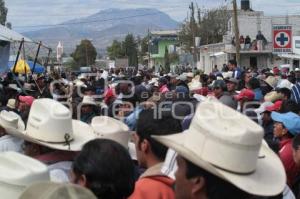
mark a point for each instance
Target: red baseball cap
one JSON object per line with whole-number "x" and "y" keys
{"x": 275, "y": 107}
{"x": 26, "y": 99}
{"x": 245, "y": 93}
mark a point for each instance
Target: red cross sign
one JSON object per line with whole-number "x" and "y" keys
{"x": 282, "y": 39}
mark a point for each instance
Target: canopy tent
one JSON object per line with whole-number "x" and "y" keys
{"x": 7, "y": 34}
{"x": 26, "y": 67}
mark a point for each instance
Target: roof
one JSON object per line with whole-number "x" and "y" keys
{"x": 7, "y": 34}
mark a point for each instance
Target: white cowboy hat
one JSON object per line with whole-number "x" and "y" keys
{"x": 18, "y": 172}
{"x": 110, "y": 128}
{"x": 11, "y": 120}
{"x": 88, "y": 100}
{"x": 79, "y": 83}
{"x": 195, "y": 85}
{"x": 229, "y": 145}
{"x": 50, "y": 124}
{"x": 50, "y": 190}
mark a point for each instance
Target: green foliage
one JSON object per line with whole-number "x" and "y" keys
{"x": 126, "y": 49}
{"x": 130, "y": 48}
{"x": 3, "y": 12}
{"x": 85, "y": 53}
{"x": 115, "y": 50}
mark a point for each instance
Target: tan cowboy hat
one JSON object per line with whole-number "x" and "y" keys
{"x": 11, "y": 103}
{"x": 110, "y": 128}
{"x": 88, "y": 100}
{"x": 50, "y": 124}
{"x": 229, "y": 145}
{"x": 50, "y": 190}
{"x": 271, "y": 81}
{"x": 273, "y": 96}
{"x": 11, "y": 120}
{"x": 18, "y": 172}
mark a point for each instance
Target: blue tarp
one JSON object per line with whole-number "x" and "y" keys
{"x": 38, "y": 68}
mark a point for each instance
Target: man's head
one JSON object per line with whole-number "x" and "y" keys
{"x": 296, "y": 149}
{"x": 231, "y": 84}
{"x": 232, "y": 64}
{"x": 208, "y": 156}
{"x": 219, "y": 86}
{"x": 104, "y": 167}
{"x": 285, "y": 92}
{"x": 148, "y": 124}
{"x": 193, "y": 182}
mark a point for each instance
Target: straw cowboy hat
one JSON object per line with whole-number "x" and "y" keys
{"x": 50, "y": 124}
{"x": 50, "y": 190}
{"x": 88, "y": 100}
{"x": 229, "y": 149}
{"x": 11, "y": 103}
{"x": 273, "y": 96}
{"x": 110, "y": 128}
{"x": 18, "y": 172}
{"x": 271, "y": 81}
{"x": 11, "y": 120}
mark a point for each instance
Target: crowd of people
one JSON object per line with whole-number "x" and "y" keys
{"x": 104, "y": 135}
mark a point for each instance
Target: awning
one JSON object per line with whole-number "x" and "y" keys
{"x": 7, "y": 34}
{"x": 217, "y": 54}
{"x": 290, "y": 56}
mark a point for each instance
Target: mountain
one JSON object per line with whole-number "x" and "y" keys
{"x": 103, "y": 27}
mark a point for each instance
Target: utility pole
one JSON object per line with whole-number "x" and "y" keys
{"x": 149, "y": 49}
{"x": 237, "y": 33}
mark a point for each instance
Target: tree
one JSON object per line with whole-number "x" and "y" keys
{"x": 85, "y": 53}
{"x": 210, "y": 25}
{"x": 167, "y": 60}
{"x": 3, "y": 12}
{"x": 115, "y": 50}
{"x": 130, "y": 49}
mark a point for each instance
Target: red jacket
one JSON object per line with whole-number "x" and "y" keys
{"x": 153, "y": 185}
{"x": 286, "y": 156}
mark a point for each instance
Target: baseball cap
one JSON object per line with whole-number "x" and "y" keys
{"x": 275, "y": 107}
{"x": 245, "y": 93}
{"x": 26, "y": 99}
{"x": 290, "y": 120}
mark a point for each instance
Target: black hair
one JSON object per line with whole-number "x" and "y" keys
{"x": 108, "y": 169}
{"x": 285, "y": 91}
{"x": 296, "y": 142}
{"x": 233, "y": 62}
{"x": 289, "y": 106}
{"x": 216, "y": 188}
{"x": 254, "y": 83}
{"x": 150, "y": 124}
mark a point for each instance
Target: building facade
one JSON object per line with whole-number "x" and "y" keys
{"x": 250, "y": 23}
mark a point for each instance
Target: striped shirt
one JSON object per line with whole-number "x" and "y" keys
{"x": 296, "y": 93}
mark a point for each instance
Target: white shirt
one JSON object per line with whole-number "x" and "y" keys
{"x": 59, "y": 172}
{"x": 10, "y": 143}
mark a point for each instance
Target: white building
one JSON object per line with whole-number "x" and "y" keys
{"x": 250, "y": 22}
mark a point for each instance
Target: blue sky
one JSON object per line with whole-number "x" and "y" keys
{"x": 36, "y": 12}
